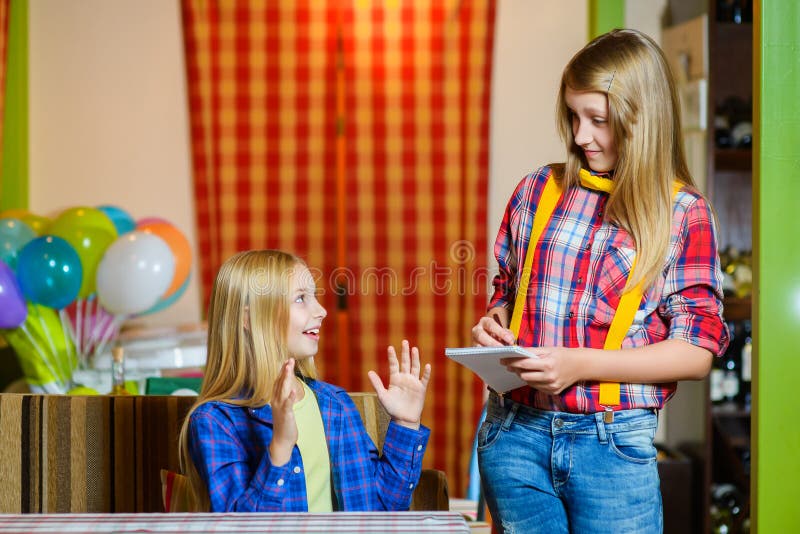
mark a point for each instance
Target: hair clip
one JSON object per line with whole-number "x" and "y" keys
{"x": 611, "y": 80}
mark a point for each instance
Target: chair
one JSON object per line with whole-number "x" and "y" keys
{"x": 71, "y": 454}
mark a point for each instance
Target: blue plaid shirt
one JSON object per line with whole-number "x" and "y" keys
{"x": 230, "y": 447}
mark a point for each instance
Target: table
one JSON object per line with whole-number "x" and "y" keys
{"x": 408, "y": 522}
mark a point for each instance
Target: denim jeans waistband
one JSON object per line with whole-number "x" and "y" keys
{"x": 565, "y": 422}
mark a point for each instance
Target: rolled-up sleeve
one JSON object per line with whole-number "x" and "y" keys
{"x": 692, "y": 297}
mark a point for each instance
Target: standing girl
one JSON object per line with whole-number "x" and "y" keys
{"x": 265, "y": 435}
{"x": 620, "y": 299}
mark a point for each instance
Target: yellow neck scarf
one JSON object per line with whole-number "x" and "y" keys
{"x": 598, "y": 183}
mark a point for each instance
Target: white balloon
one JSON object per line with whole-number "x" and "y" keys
{"x": 135, "y": 271}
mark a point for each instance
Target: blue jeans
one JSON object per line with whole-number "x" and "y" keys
{"x": 558, "y": 472}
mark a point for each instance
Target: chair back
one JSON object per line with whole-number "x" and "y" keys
{"x": 66, "y": 454}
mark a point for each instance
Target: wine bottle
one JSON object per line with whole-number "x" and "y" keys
{"x": 746, "y": 367}
{"x": 731, "y": 365}
{"x": 118, "y": 371}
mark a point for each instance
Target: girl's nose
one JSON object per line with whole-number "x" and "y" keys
{"x": 321, "y": 312}
{"x": 581, "y": 133}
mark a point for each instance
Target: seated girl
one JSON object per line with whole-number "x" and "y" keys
{"x": 265, "y": 435}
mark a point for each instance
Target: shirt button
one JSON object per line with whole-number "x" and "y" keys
{"x": 558, "y": 423}
{"x": 296, "y": 469}
{"x": 600, "y": 214}
{"x": 580, "y": 280}
{"x": 588, "y": 246}
{"x": 571, "y": 315}
{"x": 280, "y": 482}
{"x": 419, "y": 447}
{"x": 411, "y": 486}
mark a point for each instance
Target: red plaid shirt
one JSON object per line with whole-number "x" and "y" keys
{"x": 580, "y": 268}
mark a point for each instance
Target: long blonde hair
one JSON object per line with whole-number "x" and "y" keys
{"x": 248, "y": 317}
{"x": 644, "y": 113}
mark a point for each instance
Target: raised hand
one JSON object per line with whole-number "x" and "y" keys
{"x": 405, "y": 395}
{"x": 284, "y": 426}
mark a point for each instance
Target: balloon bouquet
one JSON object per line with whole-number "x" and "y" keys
{"x": 68, "y": 284}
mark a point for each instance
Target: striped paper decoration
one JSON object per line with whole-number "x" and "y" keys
{"x": 354, "y": 133}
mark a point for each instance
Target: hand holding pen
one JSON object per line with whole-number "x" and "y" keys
{"x": 490, "y": 330}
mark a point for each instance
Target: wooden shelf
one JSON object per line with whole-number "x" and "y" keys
{"x": 737, "y": 309}
{"x": 733, "y": 159}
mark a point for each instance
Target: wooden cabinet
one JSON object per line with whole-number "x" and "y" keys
{"x": 729, "y": 187}
{"x": 713, "y": 62}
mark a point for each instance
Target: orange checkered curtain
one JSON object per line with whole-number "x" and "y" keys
{"x": 355, "y": 134}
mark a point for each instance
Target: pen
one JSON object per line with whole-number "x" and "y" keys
{"x": 498, "y": 321}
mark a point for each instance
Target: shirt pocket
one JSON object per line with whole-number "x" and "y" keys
{"x": 613, "y": 270}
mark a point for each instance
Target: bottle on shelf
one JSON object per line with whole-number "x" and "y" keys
{"x": 746, "y": 367}
{"x": 725, "y": 375}
{"x": 118, "y": 371}
{"x": 715, "y": 381}
{"x": 726, "y": 508}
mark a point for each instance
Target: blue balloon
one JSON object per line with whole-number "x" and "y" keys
{"x": 49, "y": 272}
{"x": 14, "y": 234}
{"x": 122, "y": 220}
{"x": 12, "y": 304}
{"x": 170, "y": 300}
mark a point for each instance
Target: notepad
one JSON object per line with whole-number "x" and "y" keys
{"x": 485, "y": 362}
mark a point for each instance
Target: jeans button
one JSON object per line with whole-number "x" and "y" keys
{"x": 558, "y": 423}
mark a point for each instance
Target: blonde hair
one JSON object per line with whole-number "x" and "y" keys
{"x": 248, "y": 317}
{"x": 644, "y": 114}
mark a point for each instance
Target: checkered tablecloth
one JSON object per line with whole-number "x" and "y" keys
{"x": 410, "y": 522}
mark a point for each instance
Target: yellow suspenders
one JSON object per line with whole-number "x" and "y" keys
{"x": 626, "y": 309}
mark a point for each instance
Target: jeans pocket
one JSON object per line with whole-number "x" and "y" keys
{"x": 488, "y": 433}
{"x": 634, "y": 445}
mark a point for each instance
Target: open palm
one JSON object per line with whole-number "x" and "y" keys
{"x": 405, "y": 396}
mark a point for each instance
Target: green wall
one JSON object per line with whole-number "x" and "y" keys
{"x": 605, "y": 15}
{"x": 775, "y": 487}
{"x": 14, "y": 163}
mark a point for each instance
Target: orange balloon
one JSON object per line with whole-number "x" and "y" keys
{"x": 180, "y": 248}
{"x": 37, "y": 223}
{"x": 13, "y": 214}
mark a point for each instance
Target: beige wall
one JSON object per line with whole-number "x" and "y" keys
{"x": 108, "y": 122}
{"x": 533, "y": 42}
{"x": 108, "y": 119}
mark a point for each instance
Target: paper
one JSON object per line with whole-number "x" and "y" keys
{"x": 485, "y": 362}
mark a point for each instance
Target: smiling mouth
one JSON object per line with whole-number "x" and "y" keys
{"x": 312, "y": 333}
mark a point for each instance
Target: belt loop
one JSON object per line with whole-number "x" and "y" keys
{"x": 512, "y": 412}
{"x": 601, "y": 427}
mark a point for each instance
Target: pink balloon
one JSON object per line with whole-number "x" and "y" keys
{"x": 150, "y": 220}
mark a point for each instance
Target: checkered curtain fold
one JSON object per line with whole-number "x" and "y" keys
{"x": 355, "y": 134}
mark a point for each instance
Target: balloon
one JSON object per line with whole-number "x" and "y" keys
{"x": 12, "y": 304}
{"x": 44, "y": 351}
{"x": 38, "y": 223}
{"x": 164, "y": 303}
{"x": 14, "y": 234}
{"x": 83, "y": 217}
{"x": 82, "y": 391}
{"x": 150, "y": 220}
{"x": 13, "y": 214}
{"x": 49, "y": 271}
{"x": 90, "y": 243}
{"x": 135, "y": 271}
{"x": 180, "y": 248}
{"x": 122, "y": 220}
